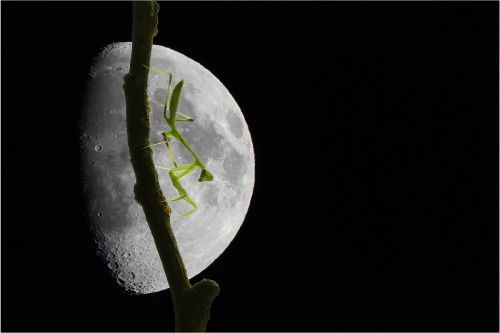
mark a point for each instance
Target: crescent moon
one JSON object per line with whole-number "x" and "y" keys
{"x": 219, "y": 135}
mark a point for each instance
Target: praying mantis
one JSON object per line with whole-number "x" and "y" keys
{"x": 177, "y": 172}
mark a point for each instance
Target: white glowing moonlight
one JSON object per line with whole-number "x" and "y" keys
{"x": 219, "y": 135}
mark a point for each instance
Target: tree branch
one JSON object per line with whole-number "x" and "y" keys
{"x": 191, "y": 303}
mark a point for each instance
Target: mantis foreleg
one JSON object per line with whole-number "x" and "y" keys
{"x": 186, "y": 169}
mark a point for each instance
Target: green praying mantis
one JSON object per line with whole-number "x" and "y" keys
{"x": 170, "y": 114}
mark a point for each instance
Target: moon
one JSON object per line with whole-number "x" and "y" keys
{"x": 219, "y": 135}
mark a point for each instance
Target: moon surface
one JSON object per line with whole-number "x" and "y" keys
{"x": 219, "y": 135}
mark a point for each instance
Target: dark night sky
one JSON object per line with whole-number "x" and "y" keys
{"x": 375, "y": 128}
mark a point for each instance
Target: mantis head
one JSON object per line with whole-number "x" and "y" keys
{"x": 206, "y": 176}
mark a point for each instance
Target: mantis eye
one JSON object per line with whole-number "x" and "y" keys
{"x": 205, "y": 176}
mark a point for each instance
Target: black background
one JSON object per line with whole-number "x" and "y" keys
{"x": 375, "y": 127}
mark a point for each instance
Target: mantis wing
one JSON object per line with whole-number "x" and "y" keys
{"x": 174, "y": 102}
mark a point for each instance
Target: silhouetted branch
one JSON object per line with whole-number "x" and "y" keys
{"x": 191, "y": 303}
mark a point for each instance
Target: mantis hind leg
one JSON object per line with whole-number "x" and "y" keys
{"x": 184, "y": 116}
{"x": 170, "y": 75}
{"x": 159, "y": 71}
{"x": 167, "y": 144}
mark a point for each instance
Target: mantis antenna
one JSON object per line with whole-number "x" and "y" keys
{"x": 170, "y": 114}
